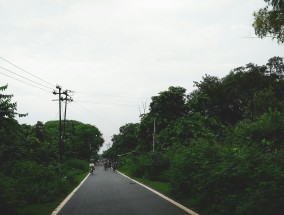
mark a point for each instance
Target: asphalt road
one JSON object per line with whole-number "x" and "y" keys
{"x": 110, "y": 193}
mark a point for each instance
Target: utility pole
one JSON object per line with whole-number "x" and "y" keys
{"x": 66, "y": 99}
{"x": 154, "y": 134}
{"x": 60, "y": 126}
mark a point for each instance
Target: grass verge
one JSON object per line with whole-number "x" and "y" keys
{"x": 162, "y": 187}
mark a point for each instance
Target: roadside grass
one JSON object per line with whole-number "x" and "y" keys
{"x": 162, "y": 187}
{"x": 48, "y": 208}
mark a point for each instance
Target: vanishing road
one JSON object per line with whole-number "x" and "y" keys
{"x": 110, "y": 193}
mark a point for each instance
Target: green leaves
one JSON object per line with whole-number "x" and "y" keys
{"x": 245, "y": 93}
{"x": 124, "y": 142}
{"x": 221, "y": 146}
{"x": 277, "y": 4}
{"x": 270, "y": 22}
{"x": 7, "y": 108}
{"x": 267, "y": 132}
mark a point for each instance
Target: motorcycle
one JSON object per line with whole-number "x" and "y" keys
{"x": 92, "y": 168}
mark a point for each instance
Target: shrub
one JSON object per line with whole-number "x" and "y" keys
{"x": 229, "y": 179}
{"x": 77, "y": 164}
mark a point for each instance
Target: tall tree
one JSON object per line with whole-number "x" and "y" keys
{"x": 277, "y": 4}
{"x": 269, "y": 21}
{"x": 7, "y": 107}
{"x": 124, "y": 142}
{"x": 168, "y": 106}
{"x": 246, "y": 93}
{"x": 9, "y": 128}
{"x": 82, "y": 141}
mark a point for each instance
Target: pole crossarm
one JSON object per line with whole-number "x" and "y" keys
{"x": 67, "y": 98}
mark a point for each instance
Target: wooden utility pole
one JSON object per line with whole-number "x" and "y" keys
{"x": 60, "y": 126}
{"x": 66, "y": 99}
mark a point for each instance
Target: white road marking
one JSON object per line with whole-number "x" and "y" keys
{"x": 163, "y": 196}
{"x": 56, "y": 211}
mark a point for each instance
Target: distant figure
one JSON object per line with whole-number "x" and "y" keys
{"x": 92, "y": 166}
{"x": 105, "y": 165}
{"x": 114, "y": 166}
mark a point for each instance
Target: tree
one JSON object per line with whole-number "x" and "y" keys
{"x": 88, "y": 140}
{"x": 124, "y": 142}
{"x": 7, "y": 108}
{"x": 168, "y": 105}
{"x": 277, "y": 4}
{"x": 82, "y": 141}
{"x": 208, "y": 96}
{"x": 165, "y": 108}
{"x": 269, "y": 21}
{"x": 9, "y": 127}
{"x": 39, "y": 131}
{"x": 245, "y": 93}
{"x": 188, "y": 128}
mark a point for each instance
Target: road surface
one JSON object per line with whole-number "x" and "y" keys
{"x": 110, "y": 193}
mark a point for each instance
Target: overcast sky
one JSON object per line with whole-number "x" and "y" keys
{"x": 116, "y": 54}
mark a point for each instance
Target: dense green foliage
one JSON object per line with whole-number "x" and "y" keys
{"x": 29, "y": 169}
{"x": 81, "y": 140}
{"x": 221, "y": 146}
{"x": 125, "y": 141}
{"x": 269, "y": 21}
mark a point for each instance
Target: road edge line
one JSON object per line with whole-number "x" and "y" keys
{"x": 56, "y": 211}
{"x": 162, "y": 196}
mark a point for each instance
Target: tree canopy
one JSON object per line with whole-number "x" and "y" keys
{"x": 29, "y": 169}
{"x": 269, "y": 21}
{"x": 221, "y": 144}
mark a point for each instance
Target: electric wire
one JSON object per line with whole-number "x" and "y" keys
{"x": 253, "y": 37}
{"x": 26, "y": 71}
{"x": 25, "y": 78}
{"x": 24, "y": 82}
{"x": 102, "y": 103}
{"x": 119, "y": 96}
{"x": 86, "y": 109}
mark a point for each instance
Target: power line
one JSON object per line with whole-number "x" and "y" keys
{"x": 25, "y": 78}
{"x": 102, "y": 103}
{"x": 86, "y": 109}
{"x": 253, "y": 37}
{"x": 26, "y": 71}
{"x": 24, "y": 82}
{"x": 108, "y": 95}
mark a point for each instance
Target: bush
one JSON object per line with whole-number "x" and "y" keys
{"x": 7, "y": 195}
{"x": 77, "y": 164}
{"x": 229, "y": 179}
{"x": 28, "y": 182}
{"x": 132, "y": 165}
{"x": 152, "y": 166}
